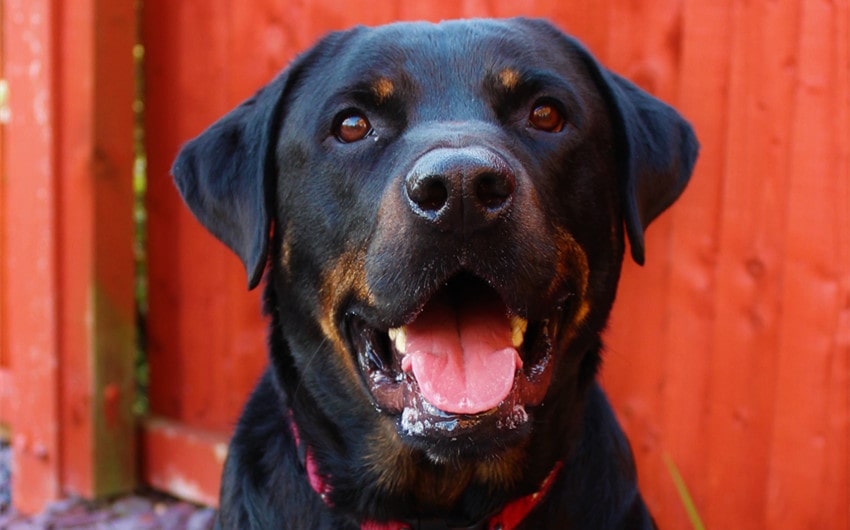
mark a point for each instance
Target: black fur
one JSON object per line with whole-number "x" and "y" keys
{"x": 352, "y": 249}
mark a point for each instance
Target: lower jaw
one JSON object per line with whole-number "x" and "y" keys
{"x": 443, "y": 435}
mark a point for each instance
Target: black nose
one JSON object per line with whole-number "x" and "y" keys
{"x": 460, "y": 189}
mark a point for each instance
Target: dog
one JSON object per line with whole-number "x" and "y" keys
{"x": 440, "y": 213}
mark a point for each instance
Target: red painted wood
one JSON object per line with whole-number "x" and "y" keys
{"x": 5, "y": 373}
{"x": 67, "y": 241}
{"x": 183, "y": 460}
{"x": 746, "y": 430}
{"x": 205, "y": 333}
{"x": 7, "y": 394}
{"x": 812, "y": 294}
{"x": 31, "y": 264}
{"x": 94, "y": 85}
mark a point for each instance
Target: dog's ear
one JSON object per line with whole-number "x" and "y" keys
{"x": 659, "y": 149}
{"x": 223, "y": 174}
{"x": 227, "y": 175}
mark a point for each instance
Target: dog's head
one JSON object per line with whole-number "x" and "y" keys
{"x": 442, "y": 211}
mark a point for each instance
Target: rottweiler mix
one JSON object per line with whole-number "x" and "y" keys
{"x": 440, "y": 212}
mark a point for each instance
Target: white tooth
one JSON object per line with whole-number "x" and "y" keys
{"x": 518, "y": 327}
{"x": 399, "y": 338}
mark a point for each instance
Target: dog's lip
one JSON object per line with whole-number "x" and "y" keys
{"x": 396, "y": 392}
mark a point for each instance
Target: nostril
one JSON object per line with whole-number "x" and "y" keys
{"x": 494, "y": 189}
{"x": 429, "y": 192}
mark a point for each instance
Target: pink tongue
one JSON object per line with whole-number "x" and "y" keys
{"x": 462, "y": 357}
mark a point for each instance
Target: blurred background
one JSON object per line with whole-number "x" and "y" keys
{"x": 128, "y": 341}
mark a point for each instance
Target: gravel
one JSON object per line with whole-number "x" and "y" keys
{"x": 140, "y": 511}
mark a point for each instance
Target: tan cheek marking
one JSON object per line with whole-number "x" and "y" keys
{"x": 383, "y": 88}
{"x": 347, "y": 275}
{"x": 572, "y": 259}
{"x": 509, "y": 78}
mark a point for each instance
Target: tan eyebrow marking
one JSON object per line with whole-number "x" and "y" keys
{"x": 509, "y": 78}
{"x": 383, "y": 88}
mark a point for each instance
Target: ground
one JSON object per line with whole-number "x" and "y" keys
{"x": 140, "y": 511}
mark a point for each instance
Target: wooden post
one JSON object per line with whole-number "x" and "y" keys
{"x": 69, "y": 233}
{"x": 31, "y": 264}
{"x": 5, "y": 373}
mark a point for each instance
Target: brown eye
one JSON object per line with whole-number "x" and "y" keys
{"x": 352, "y": 128}
{"x": 546, "y": 117}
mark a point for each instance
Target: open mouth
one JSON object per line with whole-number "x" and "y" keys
{"x": 465, "y": 359}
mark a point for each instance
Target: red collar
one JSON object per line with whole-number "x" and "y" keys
{"x": 507, "y": 519}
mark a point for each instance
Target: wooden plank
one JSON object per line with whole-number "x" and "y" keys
{"x": 814, "y": 287}
{"x": 205, "y": 333}
{"x": 688, "y": 339}
{"x": 185, "y": 461}
{"x": 31, "y": 264}
{"x": 750, "y": 265}
{"x": 112, "y": 273}
{"x": 836, "y": 488}
{"x": 70, "y": 270}
{"x": 7, "y": 396}
{"x": 75, "y": 221}
{"x": 5, "y": 375}
{"x": 95, "y": 90}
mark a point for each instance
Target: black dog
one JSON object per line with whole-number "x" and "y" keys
{"x": 441, "y": 211}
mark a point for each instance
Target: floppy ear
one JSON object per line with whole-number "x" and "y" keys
{"x": 223, "y": 176}
{"x": 228, "y": 174}
{"x": 658, "y": 150}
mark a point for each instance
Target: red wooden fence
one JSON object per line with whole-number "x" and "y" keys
{"x": 67, "y": 268}
{"x": 728, "y": 353}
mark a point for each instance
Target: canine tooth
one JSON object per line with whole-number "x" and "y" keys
{"x": 399, "y": 338}
{"x": 518, "y": 327}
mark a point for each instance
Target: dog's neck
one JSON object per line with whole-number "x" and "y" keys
{"x": 507, "y": 517}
